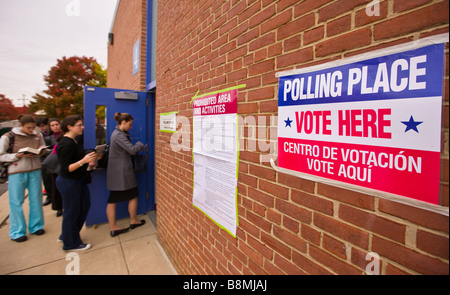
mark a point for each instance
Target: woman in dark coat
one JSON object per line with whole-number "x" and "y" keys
{"x": 121, "y": 180}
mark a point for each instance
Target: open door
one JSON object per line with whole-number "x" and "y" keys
{"x": 100, "y": 105}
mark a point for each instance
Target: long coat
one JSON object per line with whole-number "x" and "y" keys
{"x": 120, "y": 172}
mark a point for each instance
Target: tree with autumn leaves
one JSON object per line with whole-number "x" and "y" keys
{"x": 65, "y": 82}
{"x": 7, "y": 110}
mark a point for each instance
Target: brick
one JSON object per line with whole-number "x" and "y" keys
{"x": 334, "y": 9}
{"x": 259, "y": 221}
{"x": 308, "y": 265}
{"x": 418, "y": 216}
{"x": 261, "y": 197}
{"x": 297, "y": 57}
{"x": 293, "y": 211}
{"x": 260, "y": 247}
{"x": 334, "y": 246}
{"x": 313, "y": 35}
{"x": 295, "y": 27}
{"x": 310, "y": 234}
{"x": 293, "y": 240}
{"x": 291, "y": 224}
{"x": 251, "y": 254}
{"x": 361, "y": 17}
{"x": 262, "y": 16}
{"x": 288, "y": 267}
{"x": 261, "y": 93}
{"x": 433, "y": 244}
{"x": 262, "y": 41}
{"x": 339, "y": 26}
{"x": 247, "y": 37}
{"x": 308, "y": 5}
{"x": 349, "y": 197}
{"x": 274, "y": 189}
{"x": 295, "y": 182}
{"x": 312, "y": 202}
{"x": 341, "y": 230}
{"x": 262, "y": 67}
{"x": 409, "y": 258}
{"x": 262, "y": 172}
{"x": 373, "y": 223}
{"x": 276, "y": 21}
{"x": 328, "y": 260}
{"x": 407, "y": 23}
{"x": 344, "y": 42}
{"x": 276, "y": 245}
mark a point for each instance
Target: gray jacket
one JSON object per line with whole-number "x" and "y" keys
{"x": 120, "y": 172}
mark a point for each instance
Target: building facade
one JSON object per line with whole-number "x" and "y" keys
{"x": 286, "y": 224}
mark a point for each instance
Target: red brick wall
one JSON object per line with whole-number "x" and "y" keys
{"x": 129, "y": 25}
{"x": 287, "y": 225}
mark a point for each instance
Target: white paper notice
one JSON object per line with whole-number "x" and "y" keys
{"x": 216, "y": 158}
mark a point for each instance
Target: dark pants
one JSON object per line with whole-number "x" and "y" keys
{"x": 76, "y": 203}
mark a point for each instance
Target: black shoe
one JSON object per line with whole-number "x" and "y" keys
{"x": 81, "y": 247}
{"x": 39, "y": 232}
{"x": 115, "y": 233}
{"x": 20, "y": 239}
{"x": 59, "y": 213}
{"x": 47, "y": 202}
{"x": 133, "y": 226}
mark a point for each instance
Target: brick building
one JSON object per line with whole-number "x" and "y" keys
{"x": 287, "y": 224}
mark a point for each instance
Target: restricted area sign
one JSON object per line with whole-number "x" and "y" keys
{"x": 374, "y": 123}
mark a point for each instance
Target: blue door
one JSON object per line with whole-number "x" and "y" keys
{"x": 100, "y": 105}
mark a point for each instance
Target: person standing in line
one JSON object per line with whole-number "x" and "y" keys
{"x": 24, "y": 172}
{"x": 43, "y": 125}
{"x": 51, "y": 142}
{"x": 121, "y": 179}
{"x": 72, "y": 183}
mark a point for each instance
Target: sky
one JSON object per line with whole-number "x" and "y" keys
{"x": 35, "y": 33}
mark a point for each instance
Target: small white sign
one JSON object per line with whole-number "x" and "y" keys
{"x": 168, "y": 122}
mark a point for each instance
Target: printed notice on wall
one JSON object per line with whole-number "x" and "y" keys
{"x": 374, "y": 123}
{"x": 168, "y": 122}
{"x": 216, "y": 158}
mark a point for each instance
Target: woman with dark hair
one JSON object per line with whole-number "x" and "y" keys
{"x": 71, "y": 183}
{"x": 51, "y": 140}
{"x": 24, "y": 172}
{"x": 121, "y": 180}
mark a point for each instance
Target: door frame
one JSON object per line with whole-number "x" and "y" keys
{"x": 97, "y": 213}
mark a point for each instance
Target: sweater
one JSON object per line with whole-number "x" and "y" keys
{"x": 69, "y": 152}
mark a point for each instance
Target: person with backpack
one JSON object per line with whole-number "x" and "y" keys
{"x": 24, "y": 172}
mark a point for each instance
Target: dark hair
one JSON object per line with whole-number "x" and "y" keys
{"x": 42, "y": 121}
{"x": 120, "y": 117}
{"x": 25, "y": 119}
{"x": 53, "y": 120}
{"x": 69, "y": 121}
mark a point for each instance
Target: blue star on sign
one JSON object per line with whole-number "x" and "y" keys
{"x": 288, "y": 122}
{"x": 411, "y": 124}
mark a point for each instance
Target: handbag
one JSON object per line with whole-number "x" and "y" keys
{"x": 51, "y": 163}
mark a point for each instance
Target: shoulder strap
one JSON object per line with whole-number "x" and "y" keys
{"x": 11, "y": 136}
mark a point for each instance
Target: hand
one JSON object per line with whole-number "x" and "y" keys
{"x": 89, "y": 158}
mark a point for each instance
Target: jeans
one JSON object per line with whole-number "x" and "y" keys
{"x": 76, "y": 202}
{"x": 17, "y": 183}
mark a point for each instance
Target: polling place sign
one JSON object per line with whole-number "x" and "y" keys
{"x": 369, "y": 122}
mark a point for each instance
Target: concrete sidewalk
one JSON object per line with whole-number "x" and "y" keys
{"x": 136, "y": 252}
